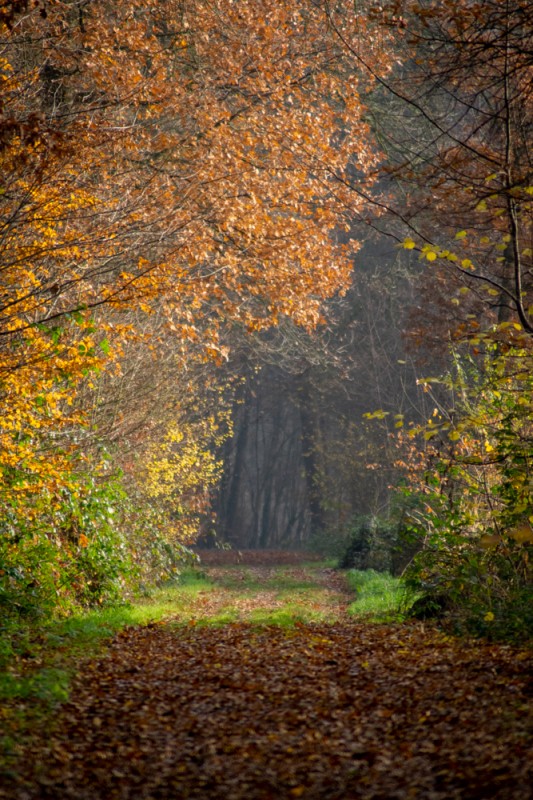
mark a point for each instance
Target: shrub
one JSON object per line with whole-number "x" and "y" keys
{"x": 374, "y": 544}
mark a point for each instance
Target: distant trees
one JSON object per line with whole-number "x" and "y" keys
{"x": 305, "y": 465}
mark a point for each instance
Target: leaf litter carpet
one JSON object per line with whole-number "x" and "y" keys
{"x": 332, "y": 710}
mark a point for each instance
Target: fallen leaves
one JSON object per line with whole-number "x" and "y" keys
{"x": 317, "y": 710}
{"x": 260, "y": 558}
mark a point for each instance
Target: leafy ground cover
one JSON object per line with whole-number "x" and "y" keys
{"x": 254, "y": 681}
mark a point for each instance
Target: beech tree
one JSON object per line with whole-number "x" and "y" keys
{"x": 167, "y": 172}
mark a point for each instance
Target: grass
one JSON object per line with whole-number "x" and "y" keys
{"x": 287, "y": 617}
{"x": 46, "y": 658}
{"x": 293, "y": 596}
{"x": 378, "y": 595}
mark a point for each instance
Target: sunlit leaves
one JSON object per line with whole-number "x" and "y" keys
{"x": 160, "y": 185}
{"x": 474, "y": 474}
{"x": 182, "y": 468}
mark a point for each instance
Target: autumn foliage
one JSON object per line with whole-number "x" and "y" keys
{"x": 467, "y": 212}
{"x": 176, "y": 176}
{"x": 168, "y": 170}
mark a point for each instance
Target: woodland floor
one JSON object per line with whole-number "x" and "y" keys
{"x": 220, "y": 702}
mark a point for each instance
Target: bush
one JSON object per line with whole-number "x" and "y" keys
{"x": 378, "y": 545}
{"x": 63, "y": 548}
{"x": 472, "y": 591}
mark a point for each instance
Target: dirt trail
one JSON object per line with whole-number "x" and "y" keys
{"x": 246, "y": 590}
{"x": 328, "y": 710}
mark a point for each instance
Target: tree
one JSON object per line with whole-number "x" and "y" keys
{"x": 166, "y": 174}
{"x": 456, "y": 122}
{"x": 464, "y": 94}
{"x": 305, "y": 464}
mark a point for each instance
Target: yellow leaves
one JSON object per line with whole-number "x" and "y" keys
{"x": 379, "y": 414}
{"x": 504, "y": 326}
{"x": 181, "y": 468}
{"x": 432, "y": 252}
{"x": 42, "y": 414}
{"x": 522, "y": 534}
{"x": 489, "y": 541}
{"x": 298, "y": 791}
{"x": 429, "y": 252}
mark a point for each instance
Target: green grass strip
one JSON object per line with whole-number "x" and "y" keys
{"x": 378, "y": 595}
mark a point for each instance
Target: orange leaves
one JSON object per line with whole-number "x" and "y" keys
{"x": 184, "y": 172}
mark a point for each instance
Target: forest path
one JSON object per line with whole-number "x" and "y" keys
{"x": 271, "y": 586}
{"x": 329, "y": 709}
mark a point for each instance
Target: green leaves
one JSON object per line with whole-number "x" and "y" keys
{"x": 477, "y": 492}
